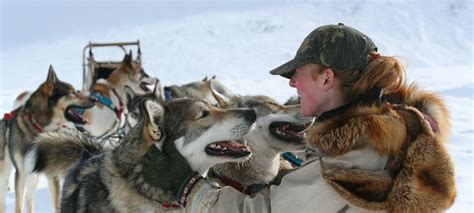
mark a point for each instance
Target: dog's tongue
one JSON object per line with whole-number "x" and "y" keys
{"x": 76, "y": 116}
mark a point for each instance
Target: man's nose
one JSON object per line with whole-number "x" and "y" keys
{"x": 292, "y": 82}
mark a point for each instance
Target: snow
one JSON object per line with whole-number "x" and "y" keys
{"x": 239, "y": 42}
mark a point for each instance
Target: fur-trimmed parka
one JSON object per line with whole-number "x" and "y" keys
{"x": 411, "y": 127}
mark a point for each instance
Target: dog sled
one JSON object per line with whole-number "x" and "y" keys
{"x": 95, "y": 69}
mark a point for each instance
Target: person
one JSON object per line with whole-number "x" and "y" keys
{"x": 380, "y": 142}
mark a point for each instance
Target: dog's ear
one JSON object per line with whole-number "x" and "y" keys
{"x": 52, "y": 77}
{"x": 128, "y": 59}
{"x": 158, "y": 91}
{"x": 213, "y": 77}
{"x": 205, "y": 79}
{"x": 48, "y": 85}
{"x": 221, "y": 93}
{"x": 155, "y": 113}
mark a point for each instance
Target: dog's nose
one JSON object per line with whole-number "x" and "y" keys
{"x": 250, "y": 115}
{"x": 93, "y": 99}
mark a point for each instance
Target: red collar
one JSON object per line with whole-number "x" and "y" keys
{"x": 182, "y": 199}
{"x": 184, "y": 192}
{"x": 173, "y": 204}
{"x": 121, "y": 106}
{"x": 34, "y": 123}
{"x": 11, "y": 115}
{"x": 236, "y": 185}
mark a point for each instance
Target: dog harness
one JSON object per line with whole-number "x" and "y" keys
{"x": 11, "y": 115}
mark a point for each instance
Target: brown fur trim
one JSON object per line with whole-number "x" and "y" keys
{"x": 426, "y": 182}
{"x": 426, "y": 102}
{"x": 381, "y": 126}
{"x": 420, "y": 175}
{"x": 361, "y": 188}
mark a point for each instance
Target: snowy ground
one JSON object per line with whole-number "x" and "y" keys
{"x": 241, "y": 41}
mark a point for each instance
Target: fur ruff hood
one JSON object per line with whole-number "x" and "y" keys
{"x": 411, "y": 127}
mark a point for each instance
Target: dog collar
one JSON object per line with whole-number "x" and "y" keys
{"x": 107, "y": 102}
{"x": 186, "y": 189}
{"x": 121, "y": 108}
{"x": 9, "y": 116}
{"x": 290, "y": 157}
{"x": 34, "y": 123}
{"x": 248, "y": 190}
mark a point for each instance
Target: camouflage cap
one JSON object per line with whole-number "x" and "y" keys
{"x": 335, "y": 46}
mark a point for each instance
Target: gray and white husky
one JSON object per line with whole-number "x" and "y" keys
{"x": 277, "y": 130}
{"x": 173, "y": 142}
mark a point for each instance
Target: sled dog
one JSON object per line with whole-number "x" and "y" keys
{"x": 49, "y": 108}
{"x": 108, "y": 115}
{"x": 278, "y": 129}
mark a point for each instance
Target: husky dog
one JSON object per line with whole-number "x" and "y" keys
{"x": 47, "y": 109}
{"x": 173, "y": 142}
{"x": 108, "y": 115}
{"x": 278, "y": 129}
{"x": 210, "y": 90}
{"x": 276, "y": 132}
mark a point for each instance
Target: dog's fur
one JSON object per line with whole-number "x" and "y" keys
{"x": 277, "y": 130}
{"x": 103, "y": 121}
{"x": 112, "y": 181}
{"x": 47, "y": 109}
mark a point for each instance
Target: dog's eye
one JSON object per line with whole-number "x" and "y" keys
{"x": 204, "y": 114}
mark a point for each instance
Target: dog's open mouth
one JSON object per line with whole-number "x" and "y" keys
{"x": 75, "y": 114}
{"x": 235, "y": 149}
{"x": 144, "y": 86}
{"x": 288, "y": 132}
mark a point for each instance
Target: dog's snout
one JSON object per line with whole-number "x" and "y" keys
{"x": 250, "y": 115}
{"x": 93, "y": 99}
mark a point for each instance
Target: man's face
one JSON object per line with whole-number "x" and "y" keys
{"x": 308, "y": 82}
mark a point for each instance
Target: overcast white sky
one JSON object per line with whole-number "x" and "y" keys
{"x": 24, "y": 22}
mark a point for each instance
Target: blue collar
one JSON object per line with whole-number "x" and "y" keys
{"x": 107, "y": 102}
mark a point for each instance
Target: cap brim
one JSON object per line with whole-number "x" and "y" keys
{"x": 287, "y": 69}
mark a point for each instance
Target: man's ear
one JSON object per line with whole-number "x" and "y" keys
{"x": 327, "y": 79}
{"x": 155, "y": 113}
